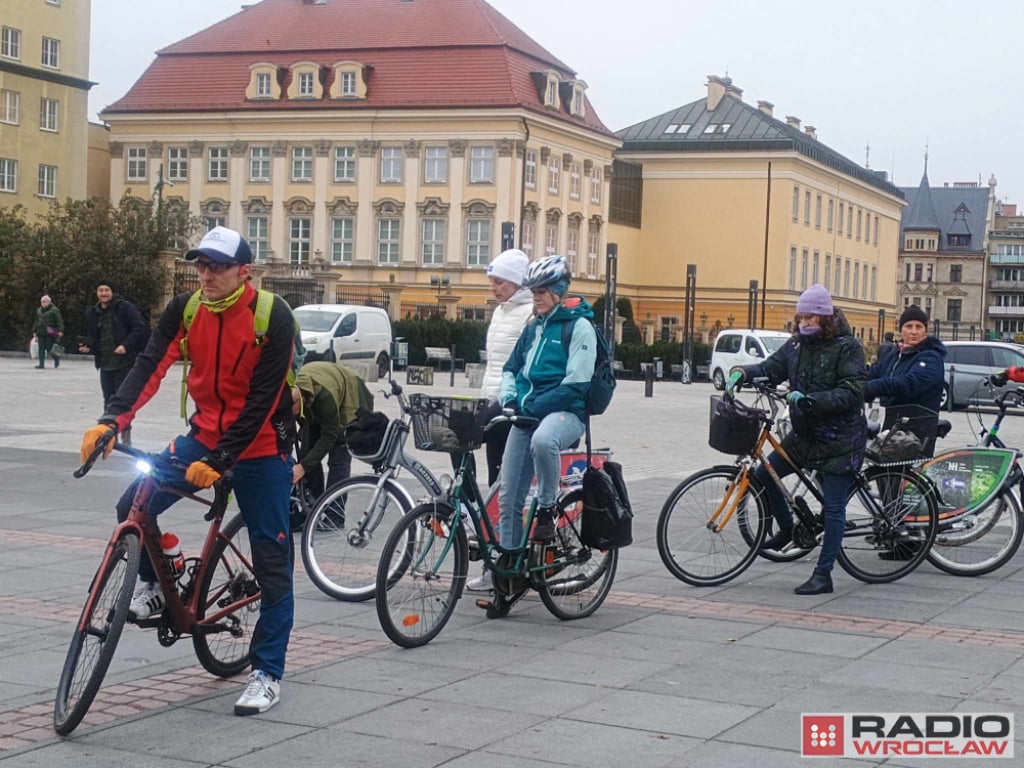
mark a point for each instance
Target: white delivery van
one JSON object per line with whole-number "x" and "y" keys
{"x": 742, "y": 347}
{"x": 340, "y": 332}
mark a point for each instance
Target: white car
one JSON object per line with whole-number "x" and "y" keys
{"x": 340, "y": 332}
{"x": 742, "y": 347}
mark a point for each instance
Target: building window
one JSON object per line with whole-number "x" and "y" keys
{"x": 551, "y": 98}
{"x": 860, "y": 213}
{"x": 217, "y": 166}
{"x": 478, "y": 242}
{"x": 551, "y": 237}
{"x": 48, "y": 114}
{"x": 530, "y": 175}
{"x": 257, "y": 233}
{"x": 481, "y": 165}
{"x": 473, "y": 314}
{"x": 593, "y": 239}
{"x": 433, "y": 241}
{"x": 817, "y": 212}
{"x": 215, "y": 221}
{"x": 807, "y": 208}
{"x": 954, "y": 310}
{"x": 554, "y": 170}
{"x": 177, "y": 163}
{"x": 10, "y": 107}
{"x": 47, "y": 181}
{"x": 305, "y": 85}
{"x": 814, "y": 268}
{"x": 302, "y": 164}
{"x": 391, "y": 165}
{"x": 137, "y": 164}
{"x": 796, "y": 203}
{"x": 918, "y": 272}
{"x": 51, "y": 53}
{"x": 874, "y": 283}
{"x": 956, "y": 273}
{"x": 856, "y": 280}
{"x": 344, "y": 163}
{"x": 864, "y": 282}
{"x": 841, "y": 211}
{"x": 572, "y": 249}
{"x": 298, "y": 240}
{"x": 263, "y": 89}
{"x": 575, "y": 181}
{"x": 929, "y": 273}
{"x": 803, "y": 269}
{"x": 831, "y": 214}
{"x": 828, "y": 270}
{"x": 435, "y": 165}
{"x": 792, "y": 268}
{"x": 846, "y": 279}
{"x": 867, "y": 228}
{"x": 388, "y": 242}
{"x": 10, "y": 43}
{"x": 876, "y": 231}
{"x": 528, "y": 236}
{"x": 8, "y": 175}
{"x": 849, "y": 221}
{"x": 342, "y": 239}
{"x": 595, "y": 185}
{"x": 259, "y": 164}
{"x": 348, "y": 84}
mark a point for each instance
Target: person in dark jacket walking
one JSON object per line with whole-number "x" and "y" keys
{"x": 115, "y": 335}
{"x": 49, "y": 329}
{"x": 824, "y": 365}
{"x": 887, "y": 346}
{"x": 912, "y": 378}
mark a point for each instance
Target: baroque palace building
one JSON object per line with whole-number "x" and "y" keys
{"x": 373, "y": 152}
{"x": 44, "y": 87}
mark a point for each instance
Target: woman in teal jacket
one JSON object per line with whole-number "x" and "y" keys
{"x": 546, "y": 378}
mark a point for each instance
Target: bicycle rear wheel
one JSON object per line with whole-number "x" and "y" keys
{"x": 421, "y": 574}
{"x": 891, "y": 521}
{"x": 579, "y": 578}
{"x": 980, "y": 542}
{"x": 96, "y": 635}
{"x": 692, "y": 546}
{"x": 228, "y": 580}
{"x": 340, "y": 542}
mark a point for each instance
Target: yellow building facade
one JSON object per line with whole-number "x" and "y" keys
{"x": 44, "y": 86}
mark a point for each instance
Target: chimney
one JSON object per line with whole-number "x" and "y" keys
{"x": 766, "y": 107}
{"x": 793, "y": 122}
{"x": 810, "y": 131}
{"x": 716, "y": 90}
{"x": 734, "y": 91}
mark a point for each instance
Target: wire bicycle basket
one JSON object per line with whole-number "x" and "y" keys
{"x": 449, "y": 424}
{"x": 733, "y": 427}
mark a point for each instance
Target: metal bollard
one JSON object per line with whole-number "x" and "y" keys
{"x": 649, "y": 381}
{"x": 952, "y": 384}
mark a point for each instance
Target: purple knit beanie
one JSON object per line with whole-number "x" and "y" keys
{"x": 815, "y": 301}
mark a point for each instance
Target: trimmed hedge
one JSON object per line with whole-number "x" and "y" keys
{"x": 468, "y": 336}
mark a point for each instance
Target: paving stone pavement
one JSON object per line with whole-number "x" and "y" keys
{"x": 662, "y": 675}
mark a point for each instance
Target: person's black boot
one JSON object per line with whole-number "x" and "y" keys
{"x": 544, "y": 530}
{"x": 779, "y": 540}
{"x": 820, "y": 583}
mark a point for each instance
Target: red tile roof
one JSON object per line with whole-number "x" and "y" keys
{"x": 423, "y": 54}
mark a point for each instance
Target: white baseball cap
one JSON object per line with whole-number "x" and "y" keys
{"x": 223, "y": 245}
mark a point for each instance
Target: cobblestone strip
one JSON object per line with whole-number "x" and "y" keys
{"x": 27, "y": 725}
{"x": 819, "y": 620}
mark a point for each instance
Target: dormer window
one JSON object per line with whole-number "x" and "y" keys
{"x": 305, "y": 82}
{"x": 577, "y": 102}
{"x": 551, "y": 99}
{"x": 263, "y": 82}
{"x": 349, "y": 80}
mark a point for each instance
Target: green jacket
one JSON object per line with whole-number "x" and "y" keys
{"x": 49, "y": 317}
{"x": 333, "y": 394}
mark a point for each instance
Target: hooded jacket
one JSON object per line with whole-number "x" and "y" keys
{"x": 544, "y": 377}
{"x": 128, "y": 327}
{"x": 914, "y": 376}
{"x": 507, "y": 324}
{"x": 334, "y": 392}
{"x": 830, "y": 435}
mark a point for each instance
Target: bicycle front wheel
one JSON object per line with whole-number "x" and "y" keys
{"x": 96, "y": 635}
{"x": 707, "y": 534}
{"x": 421, "y": 575}
{"x": 579, "y": 578}
{"x": 343, "y": 538}
{"x": 891, "y": 521}
{"x": 228, "y": 580}
{"x": 980, "y": 542}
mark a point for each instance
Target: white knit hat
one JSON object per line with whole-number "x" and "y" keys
{"x": 509, "y": 265}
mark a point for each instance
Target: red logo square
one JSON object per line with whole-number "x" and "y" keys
{"x": 822, "y": 735}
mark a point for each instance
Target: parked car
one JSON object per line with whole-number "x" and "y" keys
{"x": 974, "y": 361}
{"x": 339, "y": 332}
{"x": 741, "y": 347}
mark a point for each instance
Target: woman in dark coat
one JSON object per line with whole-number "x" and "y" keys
{"x": 824, "y": 365}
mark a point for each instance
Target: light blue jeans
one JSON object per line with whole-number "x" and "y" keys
{"x": 526, "y": 451}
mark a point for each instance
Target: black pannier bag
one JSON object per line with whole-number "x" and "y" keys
{"x": 365, "y": 436}
{"x": 607, "y": 516}
{"x": 734, "y": 427}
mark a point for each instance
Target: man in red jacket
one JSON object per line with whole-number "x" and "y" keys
{"x": 243, "y": 422}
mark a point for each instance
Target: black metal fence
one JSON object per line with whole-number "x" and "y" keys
{"x": 186, "y": 279}
{"x": 296, "y": 291}
{"x": 367, "y": 298}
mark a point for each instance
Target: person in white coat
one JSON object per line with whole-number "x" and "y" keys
{"x": 515, "y": 308}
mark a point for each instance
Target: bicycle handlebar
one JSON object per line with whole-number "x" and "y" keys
{"x": 763, "y": 387}
{"x": 516, "y": 419}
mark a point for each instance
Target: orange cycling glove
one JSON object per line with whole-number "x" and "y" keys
{"x": 201, "y": 474}
{"x": 92, "y": 438}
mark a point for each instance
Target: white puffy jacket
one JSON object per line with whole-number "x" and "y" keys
{"x": 507, "y": 324}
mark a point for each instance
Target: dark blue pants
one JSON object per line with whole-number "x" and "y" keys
{"x": 263, "y": 489}
{"x": 834, "y": 488}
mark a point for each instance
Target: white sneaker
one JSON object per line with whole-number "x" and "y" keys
{"x": 482, "y": 583}
{"x": 260, "y": 694}
{"x": 147, "y": 601}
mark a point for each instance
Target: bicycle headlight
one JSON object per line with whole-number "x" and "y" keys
{"x": 144, "y": 466}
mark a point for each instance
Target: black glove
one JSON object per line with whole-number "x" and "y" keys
{"x": 512, "y": 405}
{"x": 999, "y": 379}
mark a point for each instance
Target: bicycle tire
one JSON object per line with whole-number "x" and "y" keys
{"x": 231, "y": 578}
{"x": 338, "y": 567}
{"x": 580, "y": 578}
{"x": 79, "y": 684}
{"x": 421, "y": 574}
{"x": 981, "y": 542}
{"x": 891, "y": 522}
{"x": 692, "y": 551}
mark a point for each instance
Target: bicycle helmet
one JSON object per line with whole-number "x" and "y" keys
{"x": 546, "y": 272}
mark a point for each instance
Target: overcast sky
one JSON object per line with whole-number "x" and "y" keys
{"x": 895, "y": 74}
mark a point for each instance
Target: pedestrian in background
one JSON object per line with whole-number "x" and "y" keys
{"x": 49, "y": 330}
{"x": 115, "y": 335}
{"x": 887, "y": 346}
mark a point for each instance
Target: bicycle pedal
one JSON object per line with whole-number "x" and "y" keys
{"x": 484, "y": 604}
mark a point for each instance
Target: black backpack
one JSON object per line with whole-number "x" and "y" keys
{"x": 607, "y": 515}
{"x": 602, "y": 384}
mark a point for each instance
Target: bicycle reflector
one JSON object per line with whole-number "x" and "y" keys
{"x": 411, "y": 620}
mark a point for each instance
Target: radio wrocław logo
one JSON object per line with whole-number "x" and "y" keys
{"x": 888, "y": 734}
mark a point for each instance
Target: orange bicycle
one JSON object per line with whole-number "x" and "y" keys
{"x": 215, "y": 598}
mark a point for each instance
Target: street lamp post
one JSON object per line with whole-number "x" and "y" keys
{"x": 688, "y": 310}
{"x": 440, "y": 282}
